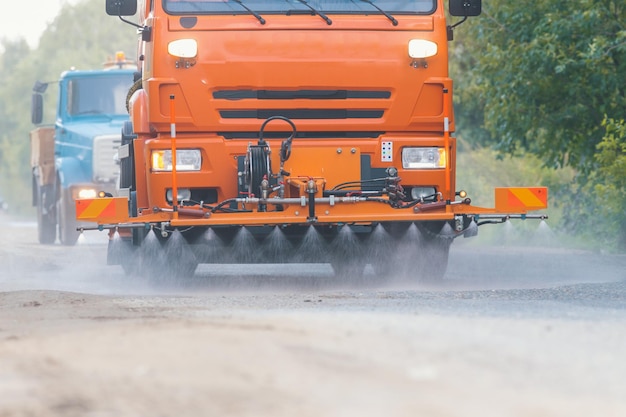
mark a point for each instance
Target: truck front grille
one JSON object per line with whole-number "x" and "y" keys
{"x": 254, "y": 103}
{"x": 300, "y": 94}
{"x": 106, "y": 166}
{"x": 303, "y": 114}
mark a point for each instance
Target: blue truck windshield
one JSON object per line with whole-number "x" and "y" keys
{"x": 98, "y": 95}
{"x": 295, "y": 6}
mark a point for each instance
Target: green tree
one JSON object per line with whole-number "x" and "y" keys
{"x": 81, "y": 36}
{"x": 608, "y": 183}
{"x": 540, "y": 77}
{"x": 14, "y": 121}
{"x": 548, "y": 72}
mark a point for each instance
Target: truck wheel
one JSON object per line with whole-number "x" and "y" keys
{"x": 68, "y": 235}
{"x": 120, "y": 251}
{"x": 407, "y": 255}
{"x": 180, "y": 261}
{"x": 46, "y": 217}
{"x": 127, "y": 169}
{"x": 433, "y": 251}
{"x": 433, "y": 259}
{"x": 164, "y": 262}
{"x": 347, "y": 256}
{"x": 136, "y": 86}
{"x": 349, "y": 270}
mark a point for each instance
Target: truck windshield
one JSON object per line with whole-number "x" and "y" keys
{"x": 99, "y": 95}
{"x": 289, "y": 6}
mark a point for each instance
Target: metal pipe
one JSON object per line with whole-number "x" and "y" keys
{"x": 116, "y": 226}
{"x": 311, "y": 192}
{"x": 446, "y": 137}
{"x": 298, "y": 200}
{"x": 173, "y": 136}
{"x": 512, "y": 216}
{"x": 430, "y": 206}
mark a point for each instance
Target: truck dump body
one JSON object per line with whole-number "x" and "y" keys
{"x": 297, "y": 115}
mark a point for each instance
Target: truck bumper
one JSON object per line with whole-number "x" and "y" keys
{"x": 112, "y": 212}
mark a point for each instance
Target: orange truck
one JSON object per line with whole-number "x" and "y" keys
{"x": 285, "y": 131}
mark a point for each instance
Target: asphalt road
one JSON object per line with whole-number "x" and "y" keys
{"x": 512, "y": 330}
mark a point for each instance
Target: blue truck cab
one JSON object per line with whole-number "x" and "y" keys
{"x": 76, "y": 157}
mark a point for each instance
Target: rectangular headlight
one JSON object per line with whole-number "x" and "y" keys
{"x": 421, "y": 48}
{"x": 423, "y": 158}
{"x": 183, "y": 48}
{"x": 80, "y": 193}
{"x": 186, "y": 160}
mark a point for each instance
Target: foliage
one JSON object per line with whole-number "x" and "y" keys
{"x": 81, "y": 36}
{"x": 607, "y": 185}
{"x": 541, "y": 77}
{"x": 549, "y": 74}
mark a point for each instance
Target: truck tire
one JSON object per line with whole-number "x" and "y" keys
{"x": 66, "y": 215}
{"x": 165, "y": 262}
{"x": 137, "y": 85}
{"x": 127, "y": 167}
{"x": 434, "y": 252}
{"x": 347, "y": 256}
{"x": 349, "y": 270}
{"x": 406, "y": 256}
{"x": 433, "y": 259}
{"x": 46, "y": 216}
{"x": 383, "y": 251}
{"x": 120, "y": 251}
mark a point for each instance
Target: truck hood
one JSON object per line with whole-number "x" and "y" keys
{"x": 353, "y": 80}
{"x": 91, "y": 128}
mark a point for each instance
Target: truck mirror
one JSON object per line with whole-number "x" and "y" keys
{"x": 464, "y": 8}
{"x": 40, "y": 87}
{"x": 36, "y": 108}
{"x": 121, "y": 7}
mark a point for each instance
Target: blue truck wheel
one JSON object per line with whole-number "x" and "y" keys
{"x": 66, "y": 215}
{"x": 46, "y": 216}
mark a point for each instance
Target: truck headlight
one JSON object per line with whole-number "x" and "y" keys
{"x": 82, "y": 193}
{"x": 183, "y": 48}
{"x": 186, "y": 160}
{"x": 418, "y": 193}
{"x": 184, "y": 194}
{"x": 421, "y": 48}
{"x": 423, "y": 158}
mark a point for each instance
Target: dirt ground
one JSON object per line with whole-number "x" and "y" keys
{"x": 69, "y": 348}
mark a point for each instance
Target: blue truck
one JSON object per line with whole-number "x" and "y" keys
{"x": 76, "y": 156}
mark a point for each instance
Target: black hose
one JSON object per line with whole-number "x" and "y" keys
{"x": 258, "y": 169}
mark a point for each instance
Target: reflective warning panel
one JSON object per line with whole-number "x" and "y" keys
{"x": 521, "y": 199}
{"x": 102, "y": 210}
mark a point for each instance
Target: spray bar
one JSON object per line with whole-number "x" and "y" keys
{"x": 303, "y": 201}
{"x": 501, "y": 218}
{"x": 102, "y": 227}
{"x": 505, "y": 217}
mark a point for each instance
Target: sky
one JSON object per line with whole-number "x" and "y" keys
{"x": 29, "y": 18}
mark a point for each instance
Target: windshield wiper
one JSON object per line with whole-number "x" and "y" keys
{"x": 387, "y": 15}
{"x": 252, "y": 12}
{"x": 317, "y": 12}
